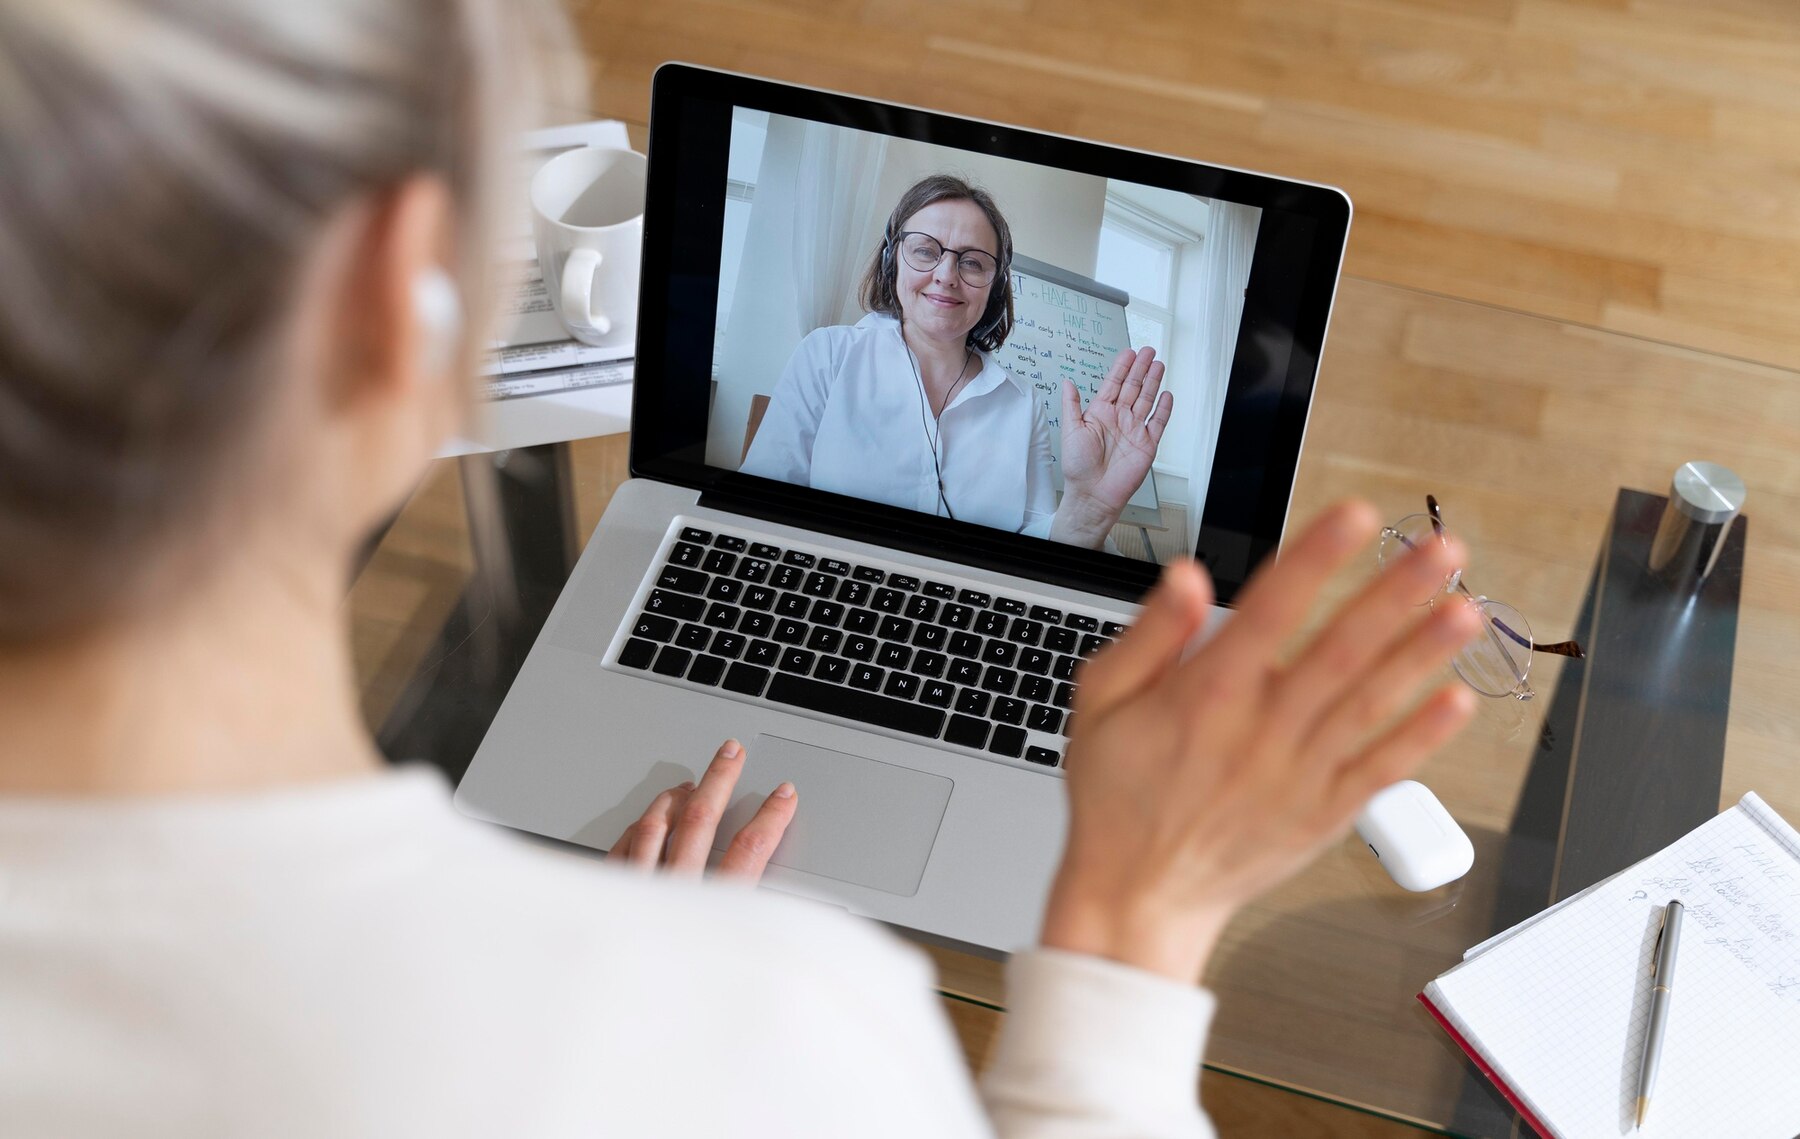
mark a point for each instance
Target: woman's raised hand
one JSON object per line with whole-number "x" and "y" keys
{"x": 1198, "y": 780}
{"x": 1107, "y": 449}
{"x": 676, "y": 833}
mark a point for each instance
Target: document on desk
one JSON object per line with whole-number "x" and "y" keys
{"x": 1554, "y": 1010}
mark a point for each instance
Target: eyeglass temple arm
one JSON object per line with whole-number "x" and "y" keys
{"x": 1560, "y": 648}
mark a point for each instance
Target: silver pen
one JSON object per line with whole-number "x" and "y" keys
{"x": 1668, "y": 940}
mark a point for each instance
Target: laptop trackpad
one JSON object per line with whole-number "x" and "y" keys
{"x": 860, "y": 820}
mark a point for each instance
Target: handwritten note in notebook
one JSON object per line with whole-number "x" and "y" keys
{"x": 1555, "y": 1008}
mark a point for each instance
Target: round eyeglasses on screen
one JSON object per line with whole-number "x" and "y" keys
{"x": 924, "y": 252}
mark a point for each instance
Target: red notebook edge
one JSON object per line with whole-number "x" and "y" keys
{"x": 1493, "y": 1077}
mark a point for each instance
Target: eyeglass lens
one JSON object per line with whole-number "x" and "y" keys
{"x": 923, "y": 252}
{"x": 1493, "y": 664}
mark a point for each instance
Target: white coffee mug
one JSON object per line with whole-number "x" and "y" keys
{"x": 587, "y": 213}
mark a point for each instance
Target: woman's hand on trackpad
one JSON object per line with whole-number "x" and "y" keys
{"x": 676, "y": 833}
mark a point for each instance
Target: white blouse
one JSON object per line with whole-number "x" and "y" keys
{"x": 848, "y": 415}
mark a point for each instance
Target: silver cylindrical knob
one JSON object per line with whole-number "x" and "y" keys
{"x": 1703, "y": 500}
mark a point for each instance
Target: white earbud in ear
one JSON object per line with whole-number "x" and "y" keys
{"x": 438, "y": 308}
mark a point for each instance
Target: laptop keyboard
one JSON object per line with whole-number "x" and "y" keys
{"x": 981, "y": 671}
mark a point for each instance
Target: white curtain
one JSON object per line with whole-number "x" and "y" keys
{"x": 1229, "y": 244}
{"x": 834, "y": 206}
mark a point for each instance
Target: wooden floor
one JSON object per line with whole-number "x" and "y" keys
{"x": 1630, "y": 164}
{"x": 1633, "y": 164}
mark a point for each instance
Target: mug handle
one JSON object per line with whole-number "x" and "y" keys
{"x": 578, "y": 292}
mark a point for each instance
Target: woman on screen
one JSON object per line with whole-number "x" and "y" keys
{"x": 909, "y": 407}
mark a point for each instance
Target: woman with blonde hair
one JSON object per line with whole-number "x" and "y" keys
{"x": 239, "y": 241}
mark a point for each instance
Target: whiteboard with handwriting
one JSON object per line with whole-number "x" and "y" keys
{"x": 1066, "y": 326}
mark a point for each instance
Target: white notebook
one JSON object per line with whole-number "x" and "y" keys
{"x": 1553, "y": 1010}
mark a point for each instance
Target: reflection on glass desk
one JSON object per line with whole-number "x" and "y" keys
{"x": 1528, "y": 430}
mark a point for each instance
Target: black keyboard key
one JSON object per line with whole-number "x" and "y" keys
{"x": 835, "y": 567}
{"x": 685, "y": 555}
{"x": 895, "y": 629}
{"x": 860, "y": 647}
{"x": 756, "y": 624}
{"x": 1065, "y": 668}
{"x": 1008, "y": 742}
{"x": 853, "y": 592}
{"x": 1112, "y": 629}
{"x": 1010, "y": 606}
{"x": 729, "y": 644}
{"x": 921, "y": 609}
{"x": 1035, "y": 660}
{"x": 695, "y": 534}
{"x": 865, "y": 707}
{"x": 893, "y": 656}
{"x": 719, "y": 562}
{"x": 1046, "y": 614}
{"x": 957, "y": 616}
{"x": 799, "y": 558}
{"x": 1009, "y": 711}
{"x": 869, "y": 573}
{"x": 677, "y": 605}
{"x": 862, "y": 621}
{"x": 965, "y": 672}
{"x": 991, "y": 624}
{"x": 1081, "y": 622}
{"x": 693, "y": 637}
{"x": 973, "y": 702}
{"x": 671, "y": 661}
{"x": 759, "y": 597}
{"x": 866, "y": 676}
{"x": 937, "y": 693}
{"x": 789, "y": 631}
{"x": 888, "y": 600}
{"x": 1046, "y": 719}
{"x": 967, "y": 731}
{"x": 654, "y": 628}
{"x": 939, "y": 590}
{"x": 901, "y": 685}
{"x": 722, "y": 616}
{"x": 724, "y": 589}
{"x": 637, "y": 653}
{"x": 1060, "y": 640}
{"x": 753, "y": 570}
{"x": 787, "y": 577}
{"x": 1041, "y": 755}
{"x": 797, "y": 661}
{"x": 707, "y": 670}
{"x": 763, "y": 654}
{"x": 964, "y": 644}
{"x": 681, "y": 580}
{"x": 903, "y": 581}
{"x": 792, "y": 605}
{"x": 929, "y": 663}
{"x": 824, "y": 640}
{"x": 744, "y": 678}
{"x": 1065, "y": 695}
{"x": 826, "y": 613}
{"x": 1025, "y": 632}
{"x": 834, "y": 669}
{"x": 1037, "y": 689}
{"x": 929, "y": 636}
{"x": 730, "y": 542}
{"x": 819, "y": 585}
{"x": 1000, "y": 652}
{"x": 764, "y": 550}
{"x": 1001, "y": 680}
{"x": 1091, "y": 644}
{"x": 971, "y": 597}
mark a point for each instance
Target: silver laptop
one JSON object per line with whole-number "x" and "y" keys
{"x": 880, "y": 576}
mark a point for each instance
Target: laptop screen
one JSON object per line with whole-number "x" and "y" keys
{"x": 1037, "y": 350}
{"x": 1071, "y": 347}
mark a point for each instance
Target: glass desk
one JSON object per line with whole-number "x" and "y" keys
{"x": 1526, "y": 429}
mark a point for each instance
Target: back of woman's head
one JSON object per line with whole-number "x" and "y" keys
{"x": 165, "y": 167}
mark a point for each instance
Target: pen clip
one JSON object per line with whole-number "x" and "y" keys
{"x": 1662, "y": 927}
